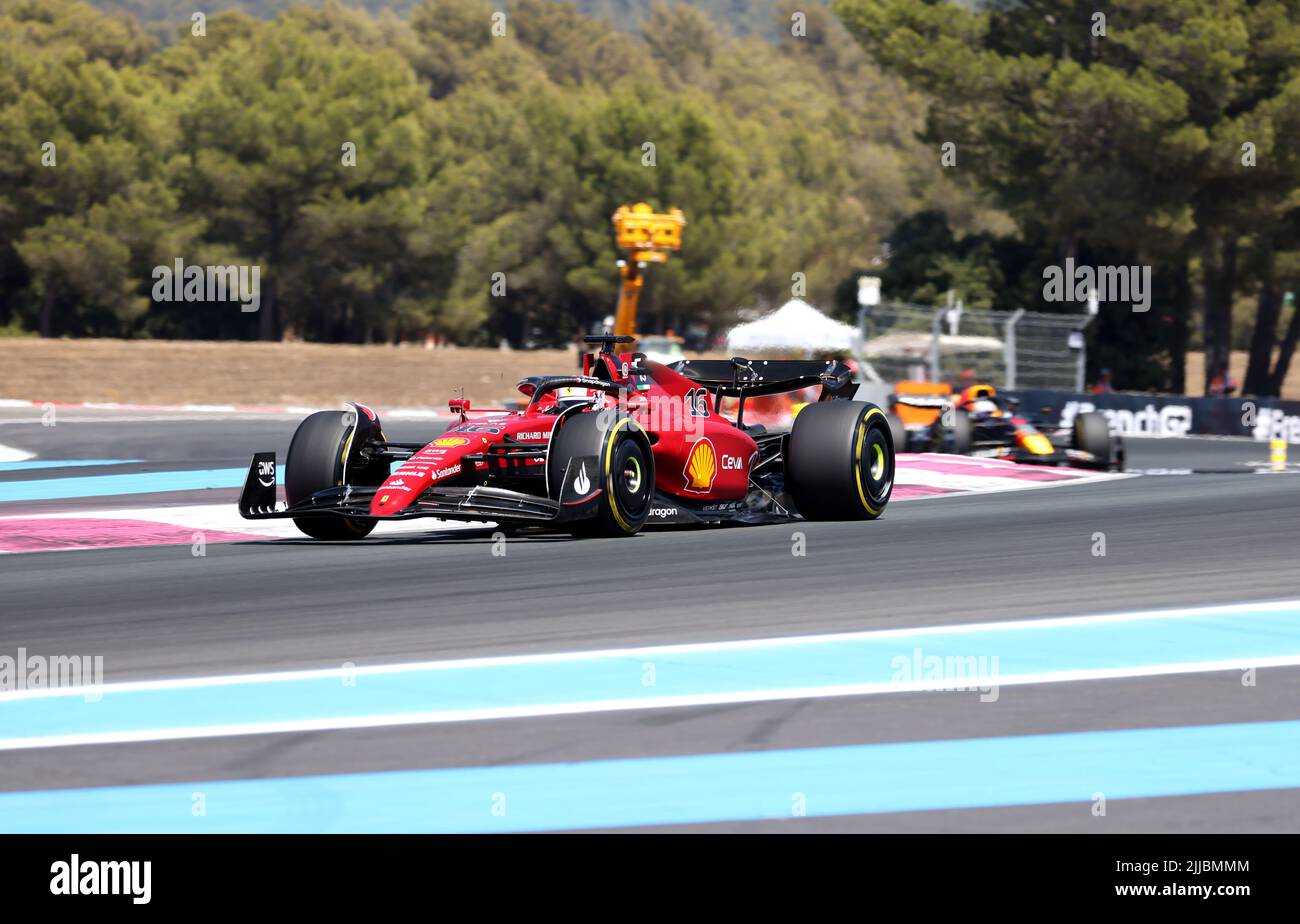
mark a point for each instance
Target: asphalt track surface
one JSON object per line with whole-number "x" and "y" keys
{"x": 158, "y": 612}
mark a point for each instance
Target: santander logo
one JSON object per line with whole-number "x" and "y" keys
{"x": 582, "y": 484}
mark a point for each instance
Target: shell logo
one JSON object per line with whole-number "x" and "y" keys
{"x": 452, "y": 441}
{"x": 701, "y": 467}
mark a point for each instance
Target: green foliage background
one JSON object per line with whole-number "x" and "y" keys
{"x": 475, "y": 155}
{"x": 817, "y": 154}
{"x": 1118, "y": 134}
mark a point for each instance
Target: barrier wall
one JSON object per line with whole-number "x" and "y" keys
{"x": 1262, "y": 419}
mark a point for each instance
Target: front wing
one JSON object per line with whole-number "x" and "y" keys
{"x": 1063, "y": 455}
{"x": 258, "y": 501}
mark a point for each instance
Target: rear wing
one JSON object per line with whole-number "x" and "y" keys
{"x": 925, "y": 401}
{"x": 749, "y": 378}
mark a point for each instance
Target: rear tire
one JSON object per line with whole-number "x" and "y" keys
{"x": 1092, "y": 435}
{"x": 840, "y": 461}
{"x": 625, "y": 471}
{"x": 315, "y": 463}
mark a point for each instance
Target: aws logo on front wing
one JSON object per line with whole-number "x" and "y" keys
{"x": 701, "y": 467}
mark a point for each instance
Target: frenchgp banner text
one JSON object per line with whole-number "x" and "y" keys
{"x": 1262, "y": 419}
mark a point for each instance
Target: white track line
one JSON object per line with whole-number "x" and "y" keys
{"x": 714, "y": 697}
{"x": 660, "y": 651}
{"x": 341, "y": 723}
{"x": 13, "y": 454}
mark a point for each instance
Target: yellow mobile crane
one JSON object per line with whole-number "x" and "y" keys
{"x": 647, "y": 237}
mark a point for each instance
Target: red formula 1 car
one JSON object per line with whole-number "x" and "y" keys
{"x": 627, "y": 442}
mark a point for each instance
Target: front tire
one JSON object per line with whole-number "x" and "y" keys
{"x": 840, "y": 461}
{"x": 963, "y": 433}
{"x": 316, "y": 463}
{"x": 625, "y": 470}
{"x": 1092, "y": 435}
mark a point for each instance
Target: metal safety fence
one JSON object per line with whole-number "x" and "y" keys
{"x": 1013, "y": 349}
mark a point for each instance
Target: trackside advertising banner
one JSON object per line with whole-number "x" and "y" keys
{"x": 1262, "y": 419}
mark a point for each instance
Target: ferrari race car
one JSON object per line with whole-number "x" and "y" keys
{"x": 628, "y": 442}
{"x": 978, "y": 422}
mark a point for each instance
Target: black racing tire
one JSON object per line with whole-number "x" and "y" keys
{"x": 963, "y": 433}
{"x": 1092, "y": 435}
{"x": 625, "y": 470}
{"x": 315, "y": 463}
{"x": 898, "y": 430}
{"x": 839, "y": 461}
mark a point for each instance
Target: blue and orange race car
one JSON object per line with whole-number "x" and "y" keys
{"x": 978, "y": 422}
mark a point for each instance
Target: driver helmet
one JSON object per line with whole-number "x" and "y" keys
{"x": 983, "y": 406}
{"x": 573, "y": 396}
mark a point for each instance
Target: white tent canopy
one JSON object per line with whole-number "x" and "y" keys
{"x": 796, "y": 325}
